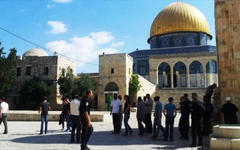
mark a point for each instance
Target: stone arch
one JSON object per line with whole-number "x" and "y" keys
{"x": 211, "y": 72}
{"x": 197, "y": 78}
{"x": 164, "y": 75}
{"x": 180, "y": 75}
{"x": 211, "y": 66}
{"x": 110, "y": 89}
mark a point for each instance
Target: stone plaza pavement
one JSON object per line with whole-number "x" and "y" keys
{"x": 25, "y": 136}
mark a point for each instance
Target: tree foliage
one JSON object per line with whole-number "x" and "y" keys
{"x": 134, "y": 87}
{"x": 66, "y": 83}
{"x": 84, "y": 83}
{"x": 8, "y": 70}
{"x": 70, "y": 86}
{"x": 32, "y": 93}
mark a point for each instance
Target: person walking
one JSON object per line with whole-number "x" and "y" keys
{"x": 197, "y": 110}
{"x": 229, "y": 112}
{"x": 126, "y": 110}
{"x": 44, "y": 108}
{"x": 87, "y": 128}
{"x": 115, "y": 111}
{"x": 184, "y": 120}
{"x": 75, "y": 117}
{"x": 140, "y": 116}
{"x": 157, "y": 123}
{"x": 3, "y": 114}
{"x": 66, "y": 114}
{"x": 170, "y": 113}
{"x": 148, "y": 113}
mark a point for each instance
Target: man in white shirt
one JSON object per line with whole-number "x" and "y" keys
{"x": 3, "y": 114}
{"x": 116, "y": 107}
{"x": 75, "y": 117}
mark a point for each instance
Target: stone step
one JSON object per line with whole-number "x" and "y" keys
{"x": 226, "y": 131}
{"x": 53, "y": 116}
{"x": 224, "y": 144}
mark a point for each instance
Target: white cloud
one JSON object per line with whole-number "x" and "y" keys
{"x": 117, "y": 44}
{"x": 86, "y": 48}
{"x": 62, "y": 1}
{"x": 57, "y": 27}
{"x": 101, "y": 37}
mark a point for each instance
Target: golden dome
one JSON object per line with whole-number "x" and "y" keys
{"x": 179, "y": 17}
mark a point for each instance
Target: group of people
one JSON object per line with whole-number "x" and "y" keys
{"x": 200, "y": 112}
{"x": 77, "y": 115}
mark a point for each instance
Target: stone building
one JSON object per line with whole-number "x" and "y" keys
{"x": 37, "y": 63}
{"x": 227, "y": 31}
{"x": 180, "y": 59}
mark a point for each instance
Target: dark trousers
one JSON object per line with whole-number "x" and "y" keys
{"x": 4, "y": 120}
{"x": 128, "y": 129}
{"x": 196, "y": 131}
{"x": 184, "y": 126}
{"x": 148, "y": 122}
{"x": 116, "y": 123}
{"x": 44, "y": 120}
{"x": 158, "y": 126}
{"x": 67, "y": 117}
{"x": 76, "y": 128}
{"x": 140, "y": 126}
{"x": 169, "y": 124}
{"x": 207, "y": 128}
{"x": 86, "y": 134}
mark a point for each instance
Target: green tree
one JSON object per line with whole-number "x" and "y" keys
{"x": 66, "y": 83}
{"x": 8, "y": 70}
{"x": 84, "y": 83}
{"x": 32, "y": 93}
{"x": 134, "y": 87}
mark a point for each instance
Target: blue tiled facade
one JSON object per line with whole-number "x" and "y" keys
{"x": 179, "y": 39}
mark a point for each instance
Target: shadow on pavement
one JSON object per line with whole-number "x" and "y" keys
{"x": 106, "y": 138}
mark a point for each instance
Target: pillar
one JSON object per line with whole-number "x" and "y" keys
{"x": 188, "y": 77}
{"x": 172, "y": 85}
{"x": 205, "y": 76}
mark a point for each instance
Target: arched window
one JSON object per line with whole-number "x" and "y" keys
{"x": 164, "y": 75}
{"x": 179, "y": 76}
{"x": 211, "y": 66}
{"x": 111, "y": 87}
{"x": 197, "y": 78}
{"x": 211, "y": 70}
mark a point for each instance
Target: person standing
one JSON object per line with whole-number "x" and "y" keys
{"x": 127, "y": 107}
{"x": 170, "y": 113}
{"x": 75, "y": 117}
{"x": 87, "y": 128}
{"x": 140, "y": 116}
{"x": 3, "y": 114}
{"x": 229, "y": 112}
{"x": 120, "y": 112}
{"x": 197, "y": 110}
{"x": 157, "y": 123}
{"x": 184, "y": 120}
{"x": 148, "y": 113}
{"x": 115, "y": 111}
{"x": 44, "y": 108}
{"x": 66, "y": 114}
{"x": 208, "y": 110}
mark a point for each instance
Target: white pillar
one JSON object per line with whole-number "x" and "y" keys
{"x": 188, "y": 77}
{"x": 172, "y": 85}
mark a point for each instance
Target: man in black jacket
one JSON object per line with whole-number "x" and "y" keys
{"x": 197, "y": 110}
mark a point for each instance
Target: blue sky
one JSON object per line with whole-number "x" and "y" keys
{"x": 82, "y": 29}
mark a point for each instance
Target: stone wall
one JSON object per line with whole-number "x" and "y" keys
{"x": 177, "y": 93}
{"x": 146, "y": 87}
{"x": 228, "y": 47}
{"x": 116, "y": 68}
